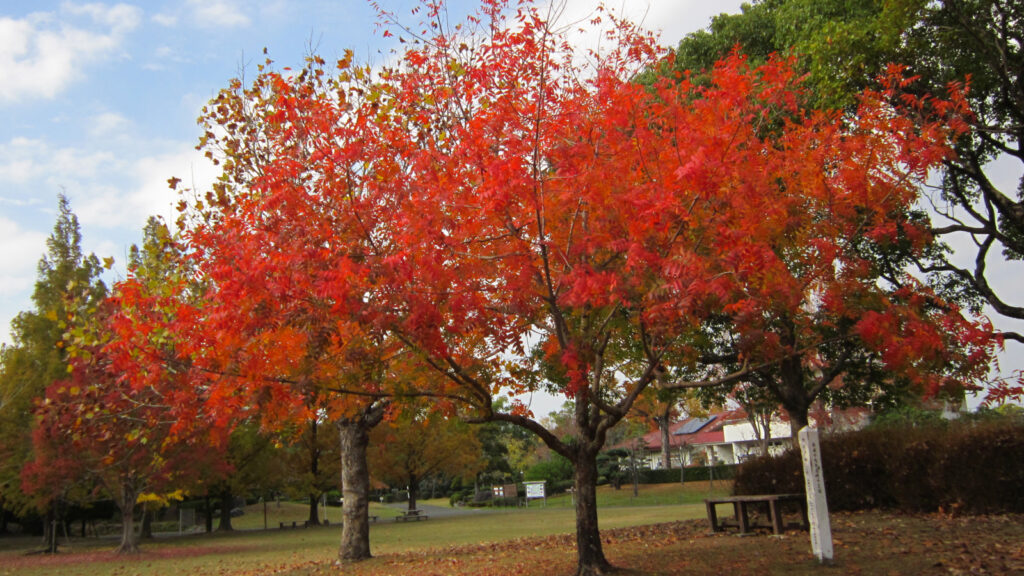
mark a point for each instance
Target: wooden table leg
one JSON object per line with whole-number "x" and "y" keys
{"x": 712, "y": 516}
{"x": 774, "y": 509}
{"x": 740, "y": 509}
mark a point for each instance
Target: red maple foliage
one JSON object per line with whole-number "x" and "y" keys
{"x": 124, "y": 423}
{"x": 280, "y": 245}
{"x": 562, "y": 226}
{"x": 520, "y": 218}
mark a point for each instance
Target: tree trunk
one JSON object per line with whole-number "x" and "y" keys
{"x": 3, "y": 520}
{"x": 50, "y": 529}
{"x": 314, "y": 469}
{"x": 227, "y": 501}
{"x": 635, "y": 466}
{"x": 129, "y": 540}
{"x": 355, "y": 480}
{"x": 798, "y": 419}
{"x": 314, "y": 510}
{"x": 413, "y": 491}
{"x": 589, "y": 552}
{"x": 666, "y": 454}
{"x": 766, "y": 436}
{"x": 147, "y": 523}
{"x": 791, "y": 388}
{"x": 207, "y": 514}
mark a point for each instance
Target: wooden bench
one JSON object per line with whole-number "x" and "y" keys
{"x": 294, "y": 525}
{"x": 408, "y": 515}
{"x": 741, "y": 505}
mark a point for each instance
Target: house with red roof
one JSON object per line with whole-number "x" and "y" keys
{"x": 730, "y": 437}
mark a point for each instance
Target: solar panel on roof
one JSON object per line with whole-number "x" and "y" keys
{"x": 693, "y": 425}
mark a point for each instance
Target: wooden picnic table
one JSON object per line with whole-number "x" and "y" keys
{"x": 407, "y": 515}
{"x": 741, "y": 505}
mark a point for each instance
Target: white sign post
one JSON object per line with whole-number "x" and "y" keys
{"x": 817, "y": 506}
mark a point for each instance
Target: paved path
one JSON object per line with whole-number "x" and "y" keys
{"x": 438, "y": 511}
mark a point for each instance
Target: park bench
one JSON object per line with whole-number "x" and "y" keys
{"x": 294, "y": 525}
{"x": 407, "y": 515}
{"x": 741, "y": 508}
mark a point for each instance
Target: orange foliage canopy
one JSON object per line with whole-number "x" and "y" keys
{"x": 518, "y": 216}
{"x": 523, "y": 218}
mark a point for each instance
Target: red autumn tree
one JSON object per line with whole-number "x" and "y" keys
{"x": 561, "y": 227}
{"x": 94, "y": 428}
{"x": 281, "y": 242}
{"x": 523, "y": 217}
{"x": 128, "y": 417}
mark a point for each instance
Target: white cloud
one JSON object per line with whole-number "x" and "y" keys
{"x": 21, "y": 249}
{"x": 218, "y": 14}
{"x": 152, "y": 196}
{"x": 108, "y": 124}
{"x": 166, "y": 20}
{"x": 142, "y": 190}
{"x": 43, "y": 53}
{"x": 113, "y": 191}
{"x": 163, "y": 55}
{"x": 116, "y": 187}
{"x": 18, "y": 159}
{"x": 677, "y": 18}
{"x": 672, "y": 18}
{"x": 121, "y": 18}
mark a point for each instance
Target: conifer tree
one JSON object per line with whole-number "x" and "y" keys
{"x": 67, "y": 288}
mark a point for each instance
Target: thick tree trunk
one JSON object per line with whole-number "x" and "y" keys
{"x": 797, "y": 420}
{"x": 208, "y": 514}
{"x": 147, "y": 523}
{"x": 314, "y": 510}
{"x": 129, "y": 540}
{"x": 50, "y": 529}
{"x": 589, "y": 552}
{"x": 227, "y": 502}
{"x": 355, "y": 480}
{"x": 3, "y": 520}
{"x": 791, "y": 388}
{"x": 413, "y": 490}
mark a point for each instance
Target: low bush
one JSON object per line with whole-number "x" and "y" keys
{"x": 973, "y": 466}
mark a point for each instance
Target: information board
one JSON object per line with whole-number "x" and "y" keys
{"x": 534, "y": 490}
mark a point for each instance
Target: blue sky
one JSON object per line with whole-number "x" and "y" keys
{"x": 100, "y": 100}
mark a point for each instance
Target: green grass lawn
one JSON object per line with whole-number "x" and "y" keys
{"x": 252, "y": 550}
{"x": 297, "y": 512}
{"x": 663, "y": 539}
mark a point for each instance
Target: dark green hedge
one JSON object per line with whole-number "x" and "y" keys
{"x": 975, "y": 467}
{"x": 695, "y": 474}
